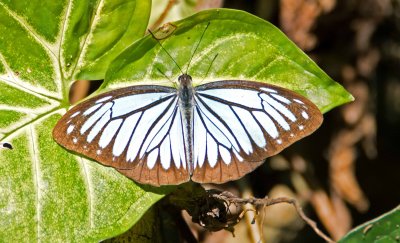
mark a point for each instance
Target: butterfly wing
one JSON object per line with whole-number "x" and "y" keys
{"x": 138, "y": 130}
{"x": 237, "y": 124}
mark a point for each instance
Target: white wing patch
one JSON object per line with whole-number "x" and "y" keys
{"x": 88, "y": 111}
{"x": 199, "y": 141}
{"x": 128, "y": 104}
{"x": 136, "y": 127}
{"x": 267, "y": 123}
{"x": 234, "y": 121}
{"x": 243, "y": 97}
{"x": 109, "y": 132}
{"x": 125, "y": 134}
{"x": 96, "y": 116}
{"x": 251, "y": 126}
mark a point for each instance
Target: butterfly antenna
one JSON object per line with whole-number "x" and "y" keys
{"x": 209, "y": 67}
{"x": 169, "y": 79}
{"x": 191, "y": 58}
{"x": 158, "y": 69}
{"x": 158, "y": 41}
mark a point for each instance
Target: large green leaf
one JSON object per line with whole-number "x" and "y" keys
{"x": 49, "y": 194}
{"x": 46, "y": 193}
{"x": 248, "y": 48}
{"x": 385, "y": 228}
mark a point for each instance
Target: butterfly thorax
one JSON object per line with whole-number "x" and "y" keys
{"x": 185, "y": 90}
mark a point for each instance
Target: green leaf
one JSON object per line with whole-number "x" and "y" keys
{"x": 385, "y": 228}
{"x": 248, "y": 48}
{"x": 46, "y": 193}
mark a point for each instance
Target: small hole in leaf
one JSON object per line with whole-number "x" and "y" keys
{"x": 6, "y": 145}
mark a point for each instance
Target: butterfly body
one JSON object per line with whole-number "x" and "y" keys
{"x": 186, "y": 101}
{"x": 212, "y": 133}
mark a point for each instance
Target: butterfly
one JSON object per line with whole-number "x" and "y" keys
{"x": 211, "y": 133}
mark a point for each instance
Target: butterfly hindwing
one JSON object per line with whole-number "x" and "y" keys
{"x": 138, "y": 130}
{"x": 237, "y": 124}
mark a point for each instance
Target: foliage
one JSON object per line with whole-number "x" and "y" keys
{"x": 385, "y": 228}
{"x": 47, "y": 193}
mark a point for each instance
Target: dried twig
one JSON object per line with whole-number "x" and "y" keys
{"x": 212, "y": 208}
{"x": 265, "y": 202}
{"x": 250, "y": 213}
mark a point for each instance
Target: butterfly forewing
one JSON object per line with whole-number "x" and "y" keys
{"x": 137, "y": 130}
{"x": 237, "y": 124}
{"x": 142, "y": 131}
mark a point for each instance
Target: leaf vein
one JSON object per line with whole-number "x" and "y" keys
{"x": 89, "y": 189}
{"x": 36, "y": 180}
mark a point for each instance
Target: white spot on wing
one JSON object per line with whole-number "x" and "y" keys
{"x": 279, "y": 141}
{"x": 304, "y": 114}
{"x": 74, "y": 140}
{"x": 70, "y": 129}
{"x": 103, "y": 99}
{"x": 301, "y": 127}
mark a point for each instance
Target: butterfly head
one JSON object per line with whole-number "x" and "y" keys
{"x": 185, "y": 80}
